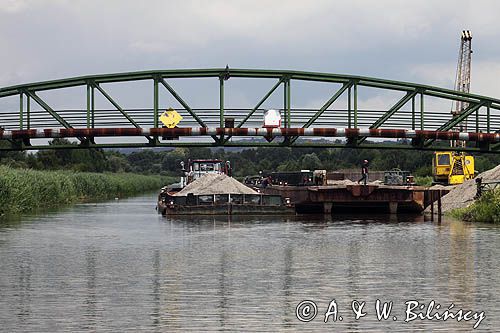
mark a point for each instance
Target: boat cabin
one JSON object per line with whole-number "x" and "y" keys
{"x": 198, "y": 168}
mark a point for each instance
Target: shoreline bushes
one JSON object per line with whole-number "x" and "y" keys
{"x": 23, "y": 190}
{"x": 486, "y": 209}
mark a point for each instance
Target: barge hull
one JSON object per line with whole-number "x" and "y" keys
{"x": 326, "y": 198}
{"x": 226, "y": 210}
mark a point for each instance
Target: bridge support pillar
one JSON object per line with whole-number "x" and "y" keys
{"x": 327, "y": 207}
{"x": 393, "y": 207}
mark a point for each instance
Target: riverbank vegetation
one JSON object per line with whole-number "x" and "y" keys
{"x": 250, "y": 161}
{"x": 486, "y": 209}
{"x": 244, "y": 161}
{"x": 24, "y": 190}
{"x": 53, "y": 177}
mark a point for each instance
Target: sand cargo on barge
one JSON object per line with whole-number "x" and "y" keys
{"x": 219, "y": 194}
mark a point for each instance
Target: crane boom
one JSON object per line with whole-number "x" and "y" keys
{"x": 462, "y": 78}
{"x": 454, "y": 168}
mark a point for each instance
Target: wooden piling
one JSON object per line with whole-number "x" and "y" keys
{"x": 439, "y": 207}
{"x": 432, "y": 205}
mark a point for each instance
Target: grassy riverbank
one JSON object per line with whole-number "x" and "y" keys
{"x": 24, "y": 190}
{"x": 486, "y": 209}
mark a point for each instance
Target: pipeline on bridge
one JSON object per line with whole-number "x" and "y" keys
{"x": 242, "y": 132}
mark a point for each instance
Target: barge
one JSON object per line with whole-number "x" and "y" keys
{"x": 223, "y": 204}
{"x": 357, "y": 197}
{"x": 219, "y": 194}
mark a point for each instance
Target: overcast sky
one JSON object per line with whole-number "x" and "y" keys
{"x": 414, "y": 41}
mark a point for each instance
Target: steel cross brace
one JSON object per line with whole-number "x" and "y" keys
{"x": 115, "y": 104}
{"x": 184, "y": 104}
{"x": 266, "y": 96}
{"x": 456, "y": 120}
{"x": 51, "y": 111}
{"x": 263, "y": 99}
{"x": 399, "y": 104}
{"x": 409, "y": 95}
{"x": 47, "y": 108}
{"x": 119, "y": 108}
{"x": 332, "y": 100}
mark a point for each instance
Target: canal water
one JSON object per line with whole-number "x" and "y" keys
{"x": 118, "y": 266}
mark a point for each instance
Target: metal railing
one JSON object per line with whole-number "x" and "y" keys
{"x": 342, "y": 109}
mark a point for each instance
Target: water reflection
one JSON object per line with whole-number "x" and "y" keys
{"x": 287, "y": 287}
{"x": 223, "y": 288}
{"x": 156, "y": 292}
{"x": 90, "y": 300}
{"x": 461, "y": 265}
{"x": 117, "y": 265}
{"x": 24, "y": 287}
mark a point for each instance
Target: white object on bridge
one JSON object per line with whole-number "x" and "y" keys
{"x": 272, "y": 119}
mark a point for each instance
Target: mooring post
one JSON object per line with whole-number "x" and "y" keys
{"x": 393, "y": 207}
{"x": 432, "y": 205}
{"x": 327, "y": 207}
{"x": 439, "y": 207}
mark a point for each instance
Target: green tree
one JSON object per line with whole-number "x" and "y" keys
{"x": 310, "y": 162}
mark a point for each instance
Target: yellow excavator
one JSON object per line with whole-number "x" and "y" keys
{"x": 451, "y": 168}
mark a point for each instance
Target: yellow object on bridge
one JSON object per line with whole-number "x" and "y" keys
{"x": 452, "y": 168}
{"x": 170, "y": 118}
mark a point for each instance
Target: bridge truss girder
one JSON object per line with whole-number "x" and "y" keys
{"x": 350, "y": 116}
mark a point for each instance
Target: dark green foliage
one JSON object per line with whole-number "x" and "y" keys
{"x": 23, "y": 190}
{"x": 486, "y": 209}
{"x": 486, "y": 162}
{"x": 251, "y": 161}
{"x": 423, "y": 181}
{"x": 244, "y": 161}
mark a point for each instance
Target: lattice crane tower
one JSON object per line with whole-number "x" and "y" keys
{"x": 462, "y": 79}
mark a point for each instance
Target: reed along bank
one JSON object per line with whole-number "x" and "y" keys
{"x": 24, "y": 190}
{"x": 486, "y": 209}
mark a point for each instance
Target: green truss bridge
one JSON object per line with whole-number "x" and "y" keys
{"x": 418, "y": 117}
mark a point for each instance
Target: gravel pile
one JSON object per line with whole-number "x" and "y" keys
{"x": 463, "y": 195}
{"x": 215, "y": 184}
{"x": 341, "y": 182}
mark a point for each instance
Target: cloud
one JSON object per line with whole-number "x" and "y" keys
{"x": 437, "y": 74}
{"x": 13, "y": 6}
{"x": 485, "y": 76}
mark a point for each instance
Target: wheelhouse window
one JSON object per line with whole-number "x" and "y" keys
{"x": 443, "y": 159}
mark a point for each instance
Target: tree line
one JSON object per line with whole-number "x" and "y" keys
{"x": 244, "y": 161}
